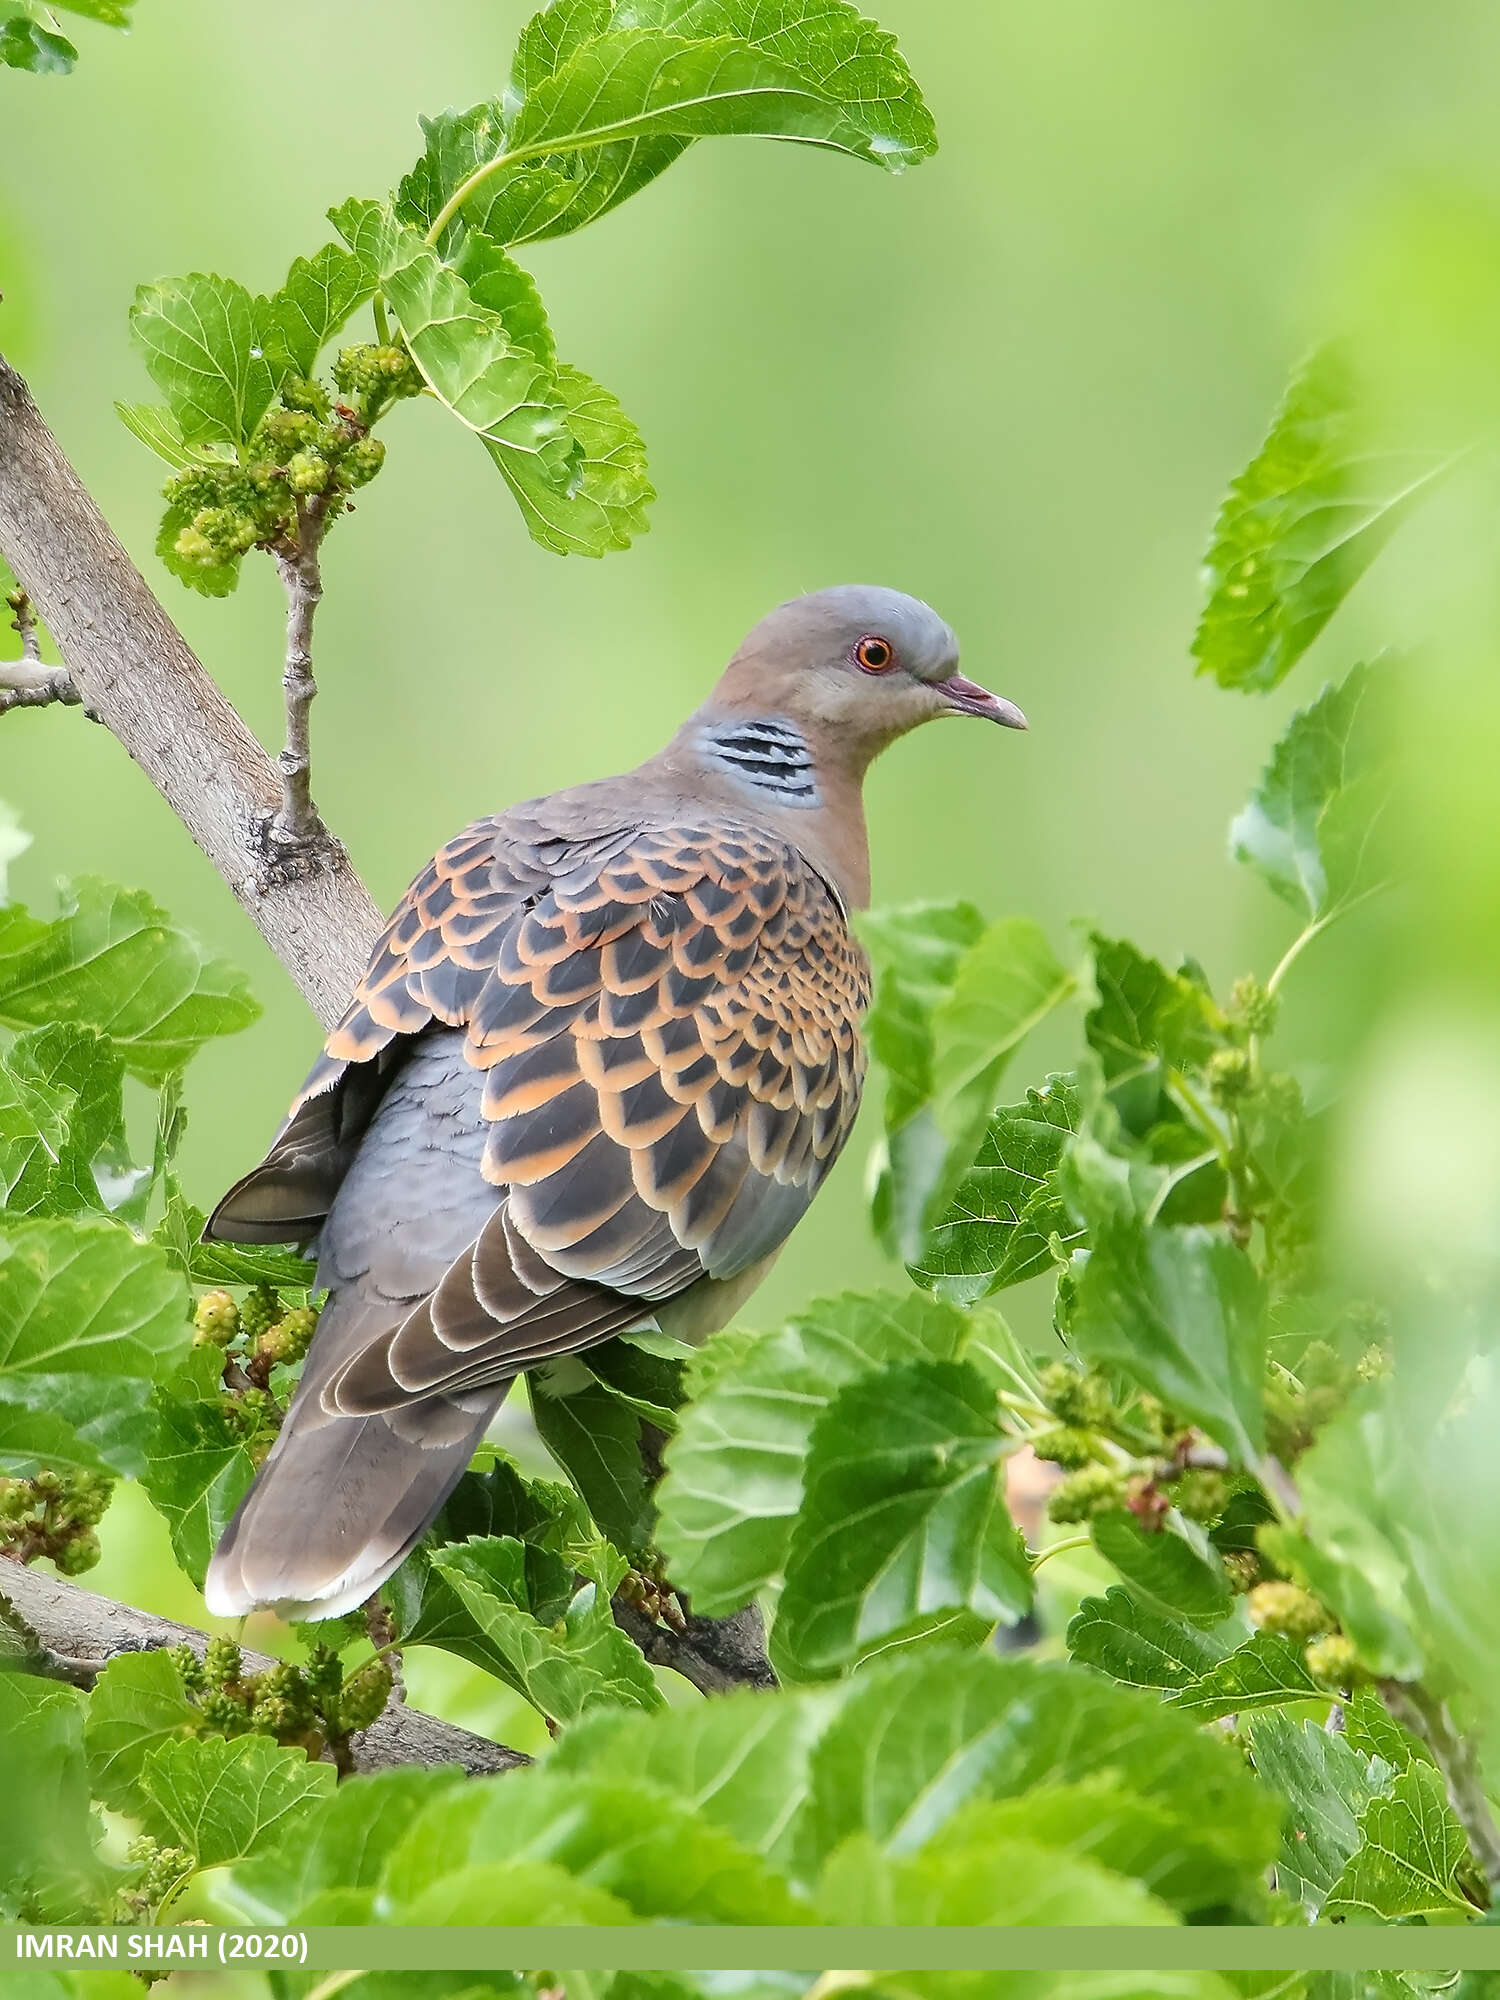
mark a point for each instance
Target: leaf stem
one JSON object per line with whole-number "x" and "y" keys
{"x": 1326, "y": 922}
{"x": 1427, "y": 1718}
{"x": 1189, "y": 1101}
{"x": 1036, "y": 1557}
{"x": 382, "y": 324}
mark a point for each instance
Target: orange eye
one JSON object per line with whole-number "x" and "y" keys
{"x": 874, "y": 654}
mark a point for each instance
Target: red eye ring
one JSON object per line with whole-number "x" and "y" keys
{"x": 874, "y": 655}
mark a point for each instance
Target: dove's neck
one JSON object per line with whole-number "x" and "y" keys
{"x": 770, "y": 769}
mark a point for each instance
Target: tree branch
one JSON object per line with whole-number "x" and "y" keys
{"x": 71, "y": 1634}
{"x": 715, "y": 1654}
{"x": 131, "y": 667}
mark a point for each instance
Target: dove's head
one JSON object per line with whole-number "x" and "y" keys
{"x": 854, "y": 668}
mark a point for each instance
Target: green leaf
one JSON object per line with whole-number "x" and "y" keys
{"x": 651, "y": 1383}
{"x": 1327, "y": 1785}
{"x": 1370, "y": 1728}
{"x": 62, "y": 1130}
{"x": 548, "y": 1519}
{"x": 633, "y": 1841}
{"x": 26, "y": 44}
{"x": 180, "y": 1234}
{"x": 33, "y": 1135}
{"x": 113, "y": 961}
{"x": 605, "y": 506}
{"x": 844, "y": 64}
{"x": 89, "y": 1319}
{"x": 1179, "y": 1311}
{"x": 999, "y": 1227}
{"x": 298, "y": 321}
{"x": 48, "y": 1831}
{"x": 741, "y": 1761}
{"x": 1097, "y": 1819}
{"x": 642, "y": 84}
{"x": 1357, "y": 1553}
{"x": 903, "y": 1526}
{"x": 201, "y": 339}
{"x": 735, "y": 1469}
{"x": 595, "y": 1438}
{"x": 1300, "y": 526}
{"x": 160, "y": 432}
{"x": 1410, "y": 1853}
{"x": 498, "y": 283}
{"x": 225, "y": 1800}
{"x": 1268, "y": 1671}
{"x": 978, "y": 1881}
{"x": 508, "y": 1892}
{"x": 1141, "y": 1646}
{"x": 197, "y": 1466}
{"x": 947, "y": 1032}
{"x": 916, "y": 952}
{"x": 342, "y": 1842}
{"x": 1145, "y": 1023}
{"x": 920, "y": 1739}
{"x": 138, "y": 1704}
{"x": 463, "y": 351}
{"x": 564, "y": 1669}
{"x": 113, "y": 13}
{"x": 1175, "y": 1567}
{"x": 1311, "y": 826}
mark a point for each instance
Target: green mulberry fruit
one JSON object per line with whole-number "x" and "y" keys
{"x": 223, "y": 1714}
{"x": 1288, "y": 1609}
{"x": 308, "y": 472}
{"x": 261, "y": 1309}
{"x": 189, "y": 1667}
{"x": 1200, "y": 1494}
{"x": 228, "y": 531}
{"x": 195, "y": 547}
{"x": 362, "y": 461}
{"x": 1230, "y": 1074}
{"x": 288, "y": 1340}
{"x": 302, "y": 394}
{"x": 1065, "y": 1446}
{"x": 1082, "y": 1494}
{"x": 1075, "y": 1398}
{"x": 77, "y": 1554}
{"x": 1332, "y": 1661}
{"x": 216, "y": 1320}
{"x": 223, "y": 1663}
{"x": 365, "y": 1696}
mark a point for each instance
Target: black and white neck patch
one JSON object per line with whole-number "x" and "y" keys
{"x": 767, "y": 753}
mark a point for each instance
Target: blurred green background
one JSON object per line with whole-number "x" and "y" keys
{"x": 1014, "y": 382}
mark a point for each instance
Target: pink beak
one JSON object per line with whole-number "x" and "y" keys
{"x": 969, "y": 698}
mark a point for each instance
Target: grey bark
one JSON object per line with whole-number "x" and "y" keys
{"x": 70, "y": 1634}
{"x": 134, "y": 670}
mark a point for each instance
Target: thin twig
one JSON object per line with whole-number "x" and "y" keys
{"x": 27, "y": 682}
{"x": 297, "y": 824}
{"x": 1420, "y": 1711}
{"x": 66, "y": 1633}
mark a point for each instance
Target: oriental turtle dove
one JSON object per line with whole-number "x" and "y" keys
{"x": 603, "y": 1057}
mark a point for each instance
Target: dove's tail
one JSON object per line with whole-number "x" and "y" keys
{"x": 342, "y": 1501}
